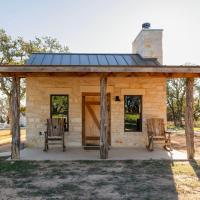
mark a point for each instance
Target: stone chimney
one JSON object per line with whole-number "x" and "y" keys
{"x": 149, "y": 43}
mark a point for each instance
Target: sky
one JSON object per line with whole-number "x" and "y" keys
{"x": 107, "y": 26}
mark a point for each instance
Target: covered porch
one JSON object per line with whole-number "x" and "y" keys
{"x": 17, "y": 72}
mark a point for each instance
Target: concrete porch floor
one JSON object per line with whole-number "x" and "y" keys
{"x": 75, "y": 153}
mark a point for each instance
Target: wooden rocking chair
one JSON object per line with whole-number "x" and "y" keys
{"x": 156, "y": 131}
{"x": 55, "y": 132}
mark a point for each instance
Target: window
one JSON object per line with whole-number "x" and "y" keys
{"x": 132, "y": 113}
{"x": 59, "y": 108}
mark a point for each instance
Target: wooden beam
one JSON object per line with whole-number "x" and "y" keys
{"x": 189, "y": 128}
{"x": 174, "y": 74}
{"x": 15, "y": 115}
{"x": 103, "y": 118}
{"x": 84, "y": 70}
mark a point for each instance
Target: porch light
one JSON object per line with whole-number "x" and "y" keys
{"x": 117, "y": 98}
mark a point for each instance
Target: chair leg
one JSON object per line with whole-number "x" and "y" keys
{"x": 63, "y": 144}
{"x": 64, "y": 148}
{"x": 46, "y": 141}
{"x": 168, "y": 146}
{"x": 45, "y": 146}
{"x": 150, "y": 145}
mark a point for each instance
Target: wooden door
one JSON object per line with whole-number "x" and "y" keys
{"x": 91, "y": 120}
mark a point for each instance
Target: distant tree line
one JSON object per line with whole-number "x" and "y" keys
{"x": 176, "y": 91}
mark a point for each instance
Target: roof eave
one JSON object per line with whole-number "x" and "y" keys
{"x": 99, "y": 69}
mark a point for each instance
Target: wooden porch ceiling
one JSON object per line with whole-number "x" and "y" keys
{"x": 112, "y": 71}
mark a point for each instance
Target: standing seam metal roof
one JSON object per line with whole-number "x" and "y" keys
{"x": 78, "y": 59}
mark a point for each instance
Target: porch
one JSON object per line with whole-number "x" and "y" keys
{"x": 115, "y": 153}
{"x": 102, "y": 74}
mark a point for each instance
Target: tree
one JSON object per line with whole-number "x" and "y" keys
{"x": 197, "y": 100}
{"x": 176, "y": 89}
{"x": 3, "y": 109}
{"x": 17, "y": 51}
{"x": 176, "y": 100}
{"x": 176, "y": 95}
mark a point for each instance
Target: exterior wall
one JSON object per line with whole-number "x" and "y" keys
{"x": 39, "y": 90}
{"x": 149, "y": 44}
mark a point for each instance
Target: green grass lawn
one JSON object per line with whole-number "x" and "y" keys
{"x": 99, "y": 180}
{"x": 174, "y": 128}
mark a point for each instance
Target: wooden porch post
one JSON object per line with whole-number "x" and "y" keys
{"x": 189, "y": 128}
{"x": 103, "y": 118}
{"x": 15, "y": 115}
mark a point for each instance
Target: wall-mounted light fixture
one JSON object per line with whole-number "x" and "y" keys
{"x": 117, "y": 98}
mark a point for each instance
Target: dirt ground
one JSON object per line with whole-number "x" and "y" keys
{"x": 5, "y": 139}
{"x": 111, "y": 180}
{"x": 179, "y": 142}
{"x": 42, "y": 180}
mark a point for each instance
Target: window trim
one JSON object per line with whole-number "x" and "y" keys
{"x": 141, "y": 128}
{"x": 67, "y": 107}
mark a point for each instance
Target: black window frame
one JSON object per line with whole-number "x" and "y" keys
{"x": 67, "y": 122}
{"x": 141, "y": 124}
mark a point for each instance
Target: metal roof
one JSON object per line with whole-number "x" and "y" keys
{"x": 82, "y": 59}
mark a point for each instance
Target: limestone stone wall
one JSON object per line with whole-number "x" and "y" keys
{"x": 39, "y": 90}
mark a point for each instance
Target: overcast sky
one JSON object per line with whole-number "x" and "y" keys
{"x": 107, "y": 26}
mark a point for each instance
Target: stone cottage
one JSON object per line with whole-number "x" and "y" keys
{"x": 103, "y": 98}
{"x": 75, "y": 96}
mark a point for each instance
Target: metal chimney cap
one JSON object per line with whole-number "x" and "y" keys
{"x": 146, "y": 25}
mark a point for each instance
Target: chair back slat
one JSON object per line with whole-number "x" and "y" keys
{"x": 155, "y": 127}
{"x": 55, "y": 127}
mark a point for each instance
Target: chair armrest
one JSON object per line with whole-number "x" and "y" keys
{"x": 168, "y": 132}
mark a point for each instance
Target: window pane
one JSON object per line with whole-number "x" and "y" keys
{"x": 132, "y": 122}
{"x": 132, "y": 104}
{"x": 132, "y": 113}
{"x": 59, "y": 107}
